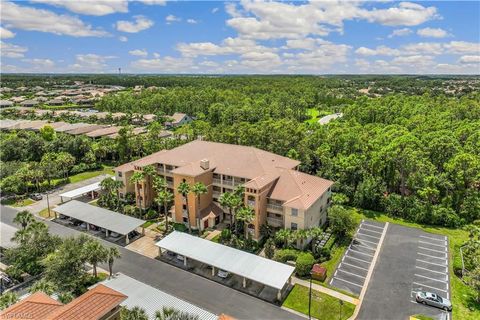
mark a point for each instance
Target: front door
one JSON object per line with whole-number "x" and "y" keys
{"x": 205, "y": 223}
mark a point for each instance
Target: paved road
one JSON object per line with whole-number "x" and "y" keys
{"x": 389, "y": 294}
{"x": 206, "y": 294}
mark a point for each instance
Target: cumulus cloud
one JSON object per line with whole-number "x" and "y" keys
{"x": 154, "y": 2}
{"x": 40, "y": 64}
{"x": 228, "y": 46}
{"x": 32, "y": 19}
{"x": 123, "y": 38}
{"x": 138, "y": 52}
{"x": 90, "y": 63}
{"x": 462, "y": 47}
{"x": 400, "y": 32}
{"x": 94, "y": 8}
{"x": 171, "y": 18}
{"x": 469, "y": 59}
{"x": 192, "y": 21}
{"x": 9, "y": 50}
{"x": 141, "y": 23}
{"x": 433, "y": 33}
{"x": 163, "y": 65}
{"x": 6, "y": 34}
{"x": 431, "y": 48}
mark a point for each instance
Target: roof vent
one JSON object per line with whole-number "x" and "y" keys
{"x": 205, "y": 164}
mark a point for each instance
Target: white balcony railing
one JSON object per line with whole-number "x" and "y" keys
{"x": 228, "y": 182}
{"x": 275, "y": 207}
{"x": 217, "y": 181}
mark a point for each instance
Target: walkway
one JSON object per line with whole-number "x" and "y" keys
{"x": 326, "y": 290}
{"x": 213, "y": 234}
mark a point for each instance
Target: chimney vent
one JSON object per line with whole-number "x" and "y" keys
{"x": 205, "y": 164}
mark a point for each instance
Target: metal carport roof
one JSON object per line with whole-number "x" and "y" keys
{"x": 82, "y": 190}
{"x": 100, "y": 217}
{"x": 268, "y": 272}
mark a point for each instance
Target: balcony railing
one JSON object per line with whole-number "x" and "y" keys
{"x": 275, "y": 222}
{"x": 228, "y": 182}
{"x": 275, "y": 207}
{"x": 237, "y": 182}
{"x": 217, "y": 181}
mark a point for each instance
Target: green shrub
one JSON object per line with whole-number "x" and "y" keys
{"x": 269, "y": 248}
{"x": 151, "y": 214}
{"x": 304, "y": 263}
{"x": 180, "y": 227}
{"x": 285, "y": 255}
{"x": 225, "y": 236}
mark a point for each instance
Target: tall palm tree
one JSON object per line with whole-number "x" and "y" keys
{"x": 300, "y": 235}
{"x": 112, "y": 254}
{"x": 136, "y": 313}
{"x": 137, "y": 178}
{"x": 184, "y": 189}
{"x": 174, "y": 314}
{"x": 225, "y": 200}
{"x": 24, "y": 218}
{"x": 164, "y": 198}
{"x": 95, "y": 253}
{"x": 283, "y": 235}
{"x": 246, "y": 215}
{"x": 117, "y": 185}
{"x": 236, "y": 203}
{"x": 198, "y": 189}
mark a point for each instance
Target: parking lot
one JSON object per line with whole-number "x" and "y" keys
{"x": 410, "y": 260}
{"x": 352, "y": 270}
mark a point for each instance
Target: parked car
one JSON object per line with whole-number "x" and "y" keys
{"x": 83, "y": 225}
{"x": 433, "y": 299}
{"x": 180, "y": 257}
{"x": 36, "y": 196}
{"x": 223, "y": 274}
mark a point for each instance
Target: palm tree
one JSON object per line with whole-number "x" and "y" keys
{"x": 164, "y": 198}
{"x": 7, "y": 299}
{"x": 301, "y": 235}
{"x": 36, "y": 228}
{"x": 174, "y": 314}
{"x": 21, "y": 236}
{"x": 136, "y": 313}
{"x": 44, "y": 286}
{"x": 283, "y": 235}
{"x": 235, "y": 203}
{"x": 137, "y": 178}
{"x": 225, "y": 200}
{"x": 246, "y": 215}
{"x": 117, "y": 185}
{"x": 198, "y": 189}
{"x": 184, "y": 189}
{"x": 24, "y": 218}
{"x": 112, "y": 254}
{"x": 95, "y": 253}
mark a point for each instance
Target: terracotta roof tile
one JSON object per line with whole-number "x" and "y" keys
{"x": 36, "y": 306}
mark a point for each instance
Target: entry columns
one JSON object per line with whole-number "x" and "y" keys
{"x": 244, "y": 282}
{"x": 213, "y": 271}
{"x": 185, "y": 261}
{"x": 127, "y": 241}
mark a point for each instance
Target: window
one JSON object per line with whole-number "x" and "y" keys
{"x": 120, "y": 174}
{"x": 294, "y": 212}
{"x": 293, "y": 226}
{"x": 185, "y": 219}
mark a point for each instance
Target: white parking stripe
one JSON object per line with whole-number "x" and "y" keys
{"x": 366, "y": 235}
{"x": 439, "y": 272}
{"x": 433, "y": 250}
{"x": 352, "y": 265}
{"x": 435, "y": 264}
{"x": 359, "y": 259}
{"x": 371, "y": 225}
{"x": 436, "y": 239}
{"x": 358, "y": 239}
{"x": 361, "y": 245}
{"x": 424, "y": 285}
{"x": 365, "y": 229}
{"x": 353, "y": 274}
{"x": 432, "y": 244}
{"x": 427, "y": 255}
{"x": 340, "y": 279}
{"x": 366, "y": 254}
{"x": 419, "y": 275}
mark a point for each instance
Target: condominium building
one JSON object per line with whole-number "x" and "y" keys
{"x": 279, "y": 194}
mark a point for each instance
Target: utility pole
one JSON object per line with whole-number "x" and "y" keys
{"x": 310, "y": 297}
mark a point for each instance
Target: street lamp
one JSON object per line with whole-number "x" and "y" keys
{"x": 341, "y": 304}
{"x": 310, "y": 297}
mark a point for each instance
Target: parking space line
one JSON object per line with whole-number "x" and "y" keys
{"x": 427, "y": 255}
{"x": 419, "y": 275}
{"x": 432, "y": 244}
{"x": 371, "y": 225}
{"x": 358, "y": 239}
{"x": 361, "y": 245}
{"x": 435, "y": 264}
{"x": 352, "y": 265}
{"x": 431, "y": 238}
{"x": 423, "y": 248}
{"x": 367, "y": 254}
{"x": 424, "y": 285}
{"x": 440, "y": 272}
{"x": 366, "y": 235}
{"x": 337, "y": 278}
{"x": 359, "y": 259}
{"x": 353, "y": 274}
{"x": 363, "y": 228}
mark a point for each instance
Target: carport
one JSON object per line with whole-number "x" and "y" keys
{"x": 80, "y": 191}
{"x": 246, "y": 265}
{"x": 100, "y": 217}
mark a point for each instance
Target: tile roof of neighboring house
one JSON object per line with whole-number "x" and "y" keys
{"x": 129, "y": 166}
{"x": 103, "y": 132}
{"x": 36, "y": 306}
{"x": 85, "y": 129}
{"x": 135, "y": 131}
{"x": 29, "y": 102}
{"x": 71, "y": 126}
{"x": 298, "y": 189}
{"x": 5, "y": 103}
{"x": 177, "y": 117}
{"x": 93, "y": 304}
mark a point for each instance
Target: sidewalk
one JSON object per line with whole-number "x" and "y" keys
{"x": 326, "y": 290}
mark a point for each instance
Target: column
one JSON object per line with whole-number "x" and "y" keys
{"x": 143, "y": 231}
{"x": 279, "y": 295}
{"x": 127, "y": 241}
{"x": 244, "y": 282}
{"x": 185, "y": 261}
{"x": 88, "y": 226}
{"x": 106, "y": 233}
{"x": 213, "y": 271}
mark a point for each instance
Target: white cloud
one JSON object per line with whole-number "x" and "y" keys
{"x": 405, "y": 14}
{"x": 6, "y": 34}
{"x": 163, "y": 65}
{"x": 400, "y": 32}
{"x": 32, "y": 19}
{"x": 138, "y": 52}
{"x": 154, "y": 2}
{"x": 432, "y": 33}
{"x": 85, "y": 63}
{"x": 41, "y": 64}
{"x": 192, "y": 21}
{"x": 156, "y": 55}
{"x": 469, "y": 59}
{"x": 9, "y": 50}
{"x": 378, "y": 51}
{"x": 123, "y": 38}
{"x": 417, "y": 61}
{"x": 94, "y": 8}
{"x": 462, "y": 47}
{"x": 305, "y": 43}
{"x": 227, "y": 47}
{"x": 140, "y": 23}
{"x": 171, "y": 18}
{"x": 214, "y": 10}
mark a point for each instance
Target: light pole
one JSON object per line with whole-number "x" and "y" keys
{"x": 48, "y": 203}
{"x": 310, "y": 297}
{"x": 341, "y": 304}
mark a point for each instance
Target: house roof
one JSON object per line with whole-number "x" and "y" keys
{"x": 212, "y": 211}
{"x": 35, "y": 306}
{"x": 103, "y": 132}
{"x": 93, "y": 304}
{"x": 85, "y": 129}
{"x": 177, "y": 117}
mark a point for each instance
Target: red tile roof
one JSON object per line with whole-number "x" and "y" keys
{"x": 36, "y": 306}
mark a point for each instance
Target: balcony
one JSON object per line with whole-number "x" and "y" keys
{"x": 275, "y": 207}
{"x": 275, "y": 222}
{"x": 251, "y": 203}
{"x": 228, "y": 182}
{"x": 217, "y": 181}
{"x": 238, "y": 183}
{"x": 216, "y": 194}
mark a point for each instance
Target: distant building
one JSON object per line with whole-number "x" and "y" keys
{"x": 29, "y": 103}
{"x": 178, "y": 119}
{"x": 5, "y": 103}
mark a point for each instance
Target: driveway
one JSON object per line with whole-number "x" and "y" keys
{"x": 202, "y": 292}
{"x": 410, "y": 260}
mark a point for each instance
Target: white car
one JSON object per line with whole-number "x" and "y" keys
{"x": 180, "y": 257}
{"x": 223, "y": 274}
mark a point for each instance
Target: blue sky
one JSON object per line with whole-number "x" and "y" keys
{"x": 321, "y": 37}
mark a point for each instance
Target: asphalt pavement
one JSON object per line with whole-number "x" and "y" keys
{"x": 202, "y": 292}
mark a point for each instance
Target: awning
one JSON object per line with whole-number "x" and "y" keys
{"x": 265, "y": 271}
{"x": 80, "y": 191}
{"x": 100, "y": 217}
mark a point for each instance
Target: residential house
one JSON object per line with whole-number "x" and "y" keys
{"x": 178, "y": 119}
{"x": 5, "y": 103}
{"x": 29, "y": 103}
{"x": 274, "y": 188}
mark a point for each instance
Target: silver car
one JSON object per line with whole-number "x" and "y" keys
{"x": 433, "y": 299}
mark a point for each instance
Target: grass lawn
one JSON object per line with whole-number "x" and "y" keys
{"x": 464, "y": 305}
{"x": 90, "y": 174}
{"x": 323, "y": 306}
{"x": 336, "y": 252}
{"x": 216, "y": 238}
{"x": 18, "y": 203}
{"x": 44, "y": 213}
{"x": 421, "y": 317}
{"x": 148, "y": 223}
